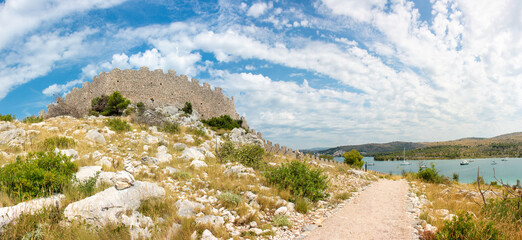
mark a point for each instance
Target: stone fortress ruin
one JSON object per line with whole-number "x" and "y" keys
{"x": 157, "y": 89}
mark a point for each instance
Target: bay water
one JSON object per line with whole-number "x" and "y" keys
{"x": 507, "y": 171}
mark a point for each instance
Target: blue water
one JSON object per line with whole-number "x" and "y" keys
{"x": 507, "y": 171}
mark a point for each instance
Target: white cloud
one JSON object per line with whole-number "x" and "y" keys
{"x": 356, "y": 9}
{"x": 58, "y": 89}
{"x": 18, "y": 17}
{"x": 258, "y": 9}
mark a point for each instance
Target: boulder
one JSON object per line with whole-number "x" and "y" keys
{"x": 207, "y": 235}
{"x": 111, "y": 204}
{"x": 123, "y": 180}
{"x": 6, "y": 126}
{"x": 96, "y": 155}
{"x": 105, "y": 162}
{"x": 211, "y": 219}
{"x": 95, "y": 136}
{"x": 281, "y": 211}
{"x": 180, "y": 146}
{"x": 68, "y": 152}
{"x": 10, "y": 135}
{"x": 170, "y": 170}
{"x": 151, "y": 139}
{"x": 192, "y": 154}
{"x": 188, "y": 208}
{"x": 163, "y": 155}
{"x": 198, "y": 164}
{"x": 238, "y": 170}
{"x": 9, "y": 214}
{"x": 85, "y": 173}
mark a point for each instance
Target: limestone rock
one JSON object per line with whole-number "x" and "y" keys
{"x": 207, "y": 235}
{"x": 192, "y": 154}
{"x": 123, "y": 180}
{"x": 68, "y": 152}
{"x": 211, "y": 219}
{"x": 239, "y": 170}
{"x": 6, "y": 126}
{"x": 309, "y": 227}
{"x": 281, "y": 211}
{"x": 96, "y": 155}
{"x": 188, "y": 208}
{"x": 170, "y": 170}
{"x": 105, "y": 162}
{"x": 111, "y": 204}
{"x": 163, "y": 155}
{"x": 95, "y": 136}
{"x": 198, "y": 164}
{"x": 151, "y": 139}
{"x": 85, "y": 173}
{"x": 9, "y": 214}
{"x": 180, "y": 146}
{"x": 10, "y": 135}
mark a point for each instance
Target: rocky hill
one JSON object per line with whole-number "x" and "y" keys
{"x": 144, "y": 181}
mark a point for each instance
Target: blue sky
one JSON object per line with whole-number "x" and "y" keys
{"x": 304, "y": 73}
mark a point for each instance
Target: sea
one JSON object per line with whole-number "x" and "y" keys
{"x": 506, "y": 171}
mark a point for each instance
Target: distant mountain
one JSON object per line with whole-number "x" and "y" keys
{"x": 313, "y": 149}
{"x": 506, "y": 145}
{"x": 370, "y": 149}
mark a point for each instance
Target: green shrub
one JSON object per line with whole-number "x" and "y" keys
{"x": 342, "y": 196}
{"x": 281, "y": 221}
{"x": 430, "y": 174}
{"x": 223, "y": 122}
{"x": 250, "y": 155}
{"x": 118, "y": 125}
{"x": 226, "y": 151}
{"x": 301, "y": 205}
{"x": 229, "y": 199}
{"x": 170, "y": 127}
{"x": 463, "y": 227}
{"x": 129, "y": 111}
{"x": 99, "y": 104}
{"x": 300, "y": 180}
{"x": 7, "y": 118}
{"x": 116, "y": 105}
{"x": 187, "y": 108}
{"x": 198, "y": 132}
{"x": 49, "y": 144}
{"x": 141, "y": 107}
{"x": 504, "y": 210}
{"x": 353, "y": 158}
{"x": 455, "y": 177}
{"x": 181, "y": 175}
{"x": 33, "y": 119}
{"x": 40, "y": 174}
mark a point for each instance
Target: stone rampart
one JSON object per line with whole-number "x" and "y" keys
{"x": 153, "y": 88}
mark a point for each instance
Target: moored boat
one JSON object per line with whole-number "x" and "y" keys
{"x": 464, "y": 162}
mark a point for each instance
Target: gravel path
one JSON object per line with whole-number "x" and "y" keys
{"x": 379, "y": 212}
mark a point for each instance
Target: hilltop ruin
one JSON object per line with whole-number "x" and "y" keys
{"x": 153, "y": 88}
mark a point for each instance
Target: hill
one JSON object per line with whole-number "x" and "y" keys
{"x": 372, "y": 148}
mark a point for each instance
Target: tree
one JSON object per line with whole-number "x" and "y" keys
{"x": 116, "y": 105}
{"x": 353, "y": 158}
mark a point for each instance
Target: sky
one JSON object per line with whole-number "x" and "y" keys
{"x": 317, "y": 73}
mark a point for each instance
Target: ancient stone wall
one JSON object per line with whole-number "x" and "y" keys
{"x": 153, "y": 88}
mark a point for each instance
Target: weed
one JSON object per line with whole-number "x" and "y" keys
{"x": 187, "y": 108}
{"x": 281, "y": 221}
{"x": 7, "y": 118}
{"x": 229, "y": 199}
{"x": 342, "y": 196}
{"x": 181, "y": 175}
{"x": 49, "y": 144}
{"x": 118, "y": 125}
{"x": 33, "y": 119}
{"x": 223, "y": 122}
{"x": 170, "y": 127}
{"x": 463, "y": 227}
{"x": 301, "y": 205}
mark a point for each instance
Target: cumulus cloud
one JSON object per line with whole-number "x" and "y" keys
{"x": 258, "y": 9}
{"x": 58, "y": 89}
{"x": 358, "y": 10}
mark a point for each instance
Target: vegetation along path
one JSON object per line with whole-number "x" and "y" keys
{"x": 379, "y": 212}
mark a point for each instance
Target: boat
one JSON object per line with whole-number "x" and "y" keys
{"x": 423, "y": 166}
{"x": 494, "y": 162}
{"x": 464, "y": 162}
{"x": 504, "y": 160}
{"x": 471, "y": 160}
{"x": 404, "y": 158}
{"x": 371, "y": 164}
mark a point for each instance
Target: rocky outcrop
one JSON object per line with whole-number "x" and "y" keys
{"x": 9, "y": 214}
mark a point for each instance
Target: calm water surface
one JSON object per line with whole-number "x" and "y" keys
{"x": 509, "y": 171}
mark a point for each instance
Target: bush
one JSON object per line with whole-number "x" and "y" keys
{"x": 116, "y": 105}
{"x": 455, "y": 177}
{"x": 281, "y": 221}
{"x": 430, "y": 174}
{"x": 7, "y": 118}
{"x": 141, "y": 108}
{"x": 223, "y": 122}
{"x": 51, "y": 143}
{"x": 353, "y": 158}
{"x": 301, "y": 205}
{"x": 187, "y": 108}
{"x": 169, "y": 127}
{"x": 226, "y": 151}
{"x": 504, "y": 210}
{"x": 229, "y": 199}
{"x": 40, "y": 174}
{"x": 99, "y": 104}
{"x": 33, "y": 119}
{"x": 250, "y": 155}
{"x": 118, "y": 125}
{"x": 463, "y": 227}
{"x": 300, "y": 180}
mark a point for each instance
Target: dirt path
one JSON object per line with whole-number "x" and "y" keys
{"x": 379, "y": 212}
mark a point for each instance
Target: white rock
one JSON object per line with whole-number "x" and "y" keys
{"x": 211, "y": 219}
{"x": 188, "y": 138}
{"x": 281, "y": 211}
{"x": 68, "y": 152}
{"x": 239, "y": 170}
{"x": 111, "y": 204}
{"x": 85, "y": 173}
{"x": 8, "y": 214}
{"x": 138, "y": 225}
{"x": 181, "y": 146}
{"x": 209, "y": 154}
{"x": 150, "y": 139}
{"x": 10, "y": 135}
{"x": 253, "y": 224}
{"x": 163, "y": 157}
{"x": 257, "y": 231}
{"x": 198, "y": 164}
{"x": 95, "y": 136}
{"x": 96, "y": 155}
{"x": 250, "y": 196}
{"x": 5, "y": 126}
{"x": 207, "y": 235}
{"x": 105, "y": 177}
{"x": 170, "y": 170}
{"x": 53, "y": 129}
{"x": 146, "y": 147}
{"x": 105, "y": 162}
{"x": 188, "y": 208}
{"x": 192, "y": 154}
{"x": 123, "y": 180}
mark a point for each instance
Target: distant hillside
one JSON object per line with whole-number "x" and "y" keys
{"x": 372, "y": 148}
{"x": 506, "y": 145}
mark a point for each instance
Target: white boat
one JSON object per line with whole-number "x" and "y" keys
{"x": 464, "y": 162}
{"x": 504, "y": 160}
{"x": 404, "y": 158}
{"x": 494, "y": 162}
{"x": 471, "y": 160}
